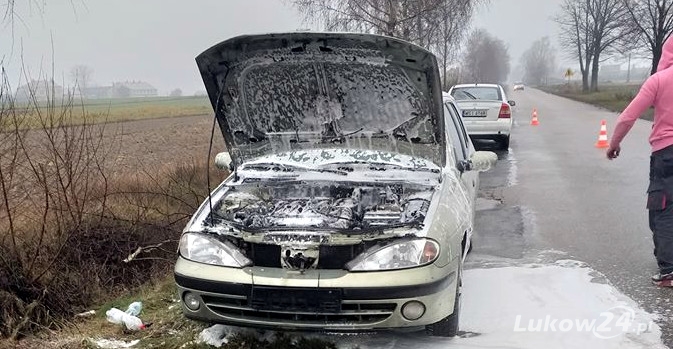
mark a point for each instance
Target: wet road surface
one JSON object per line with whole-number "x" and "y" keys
{"x": 555, "y": 191}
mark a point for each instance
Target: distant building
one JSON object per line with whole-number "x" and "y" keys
{"x": 40, "y": 90}
{"x": 127, "y": 89}
{"x": 134, "y": 89}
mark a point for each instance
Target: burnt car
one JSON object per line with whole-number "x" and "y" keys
{"x": 350, "y": 201}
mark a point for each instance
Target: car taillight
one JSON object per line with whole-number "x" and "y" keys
{"x": 505, "y": 112}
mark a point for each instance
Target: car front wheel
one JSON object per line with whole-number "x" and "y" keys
{"x": 448, "y": 326}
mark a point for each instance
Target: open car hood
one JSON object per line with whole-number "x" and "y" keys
{"x": 275, "y": 93}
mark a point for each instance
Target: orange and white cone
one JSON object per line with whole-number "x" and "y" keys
{"x": 534, "y": 121}
{"x": 603, "y": 136}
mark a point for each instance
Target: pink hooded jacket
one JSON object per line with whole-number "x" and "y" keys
{"x": 657, "y": 91}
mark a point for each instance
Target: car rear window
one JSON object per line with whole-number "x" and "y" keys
{"x": 472, "y": 93}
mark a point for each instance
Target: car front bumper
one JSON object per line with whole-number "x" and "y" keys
{"x": 335, "y": 300}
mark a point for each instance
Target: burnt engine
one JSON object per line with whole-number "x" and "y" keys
{"x": 324, "y": 205}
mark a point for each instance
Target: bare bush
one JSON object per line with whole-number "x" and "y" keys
{"x": 71, "y": 231}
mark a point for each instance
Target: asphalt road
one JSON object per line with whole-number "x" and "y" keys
{"x": 554, "y": 191}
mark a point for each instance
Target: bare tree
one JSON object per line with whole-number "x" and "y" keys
{"x": 575, "y": 35}
{"x": 454, "y": 17}
{"x": 608, "y": 17}
{"x": 539, "y": 61}
{"x": 592, "y": 30}
{"x": 437, "y": 25}
{"x": 486, "y": 58}
{"x": 398, "y": 18}
{"x": 652, "y": 20}
{"x": 81, "y": 76}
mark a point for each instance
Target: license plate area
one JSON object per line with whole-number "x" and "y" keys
{"x": 480, "y": 113}
{"x": 288, "y": 299}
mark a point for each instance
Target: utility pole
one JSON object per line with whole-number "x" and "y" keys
{"x": 628, "y": 72}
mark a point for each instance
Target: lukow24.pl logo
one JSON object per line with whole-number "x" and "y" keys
{"x": 612, "y": 323}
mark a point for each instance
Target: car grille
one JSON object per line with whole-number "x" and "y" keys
{"x": 298, "y": 306}
{"x": 331, "y": 257}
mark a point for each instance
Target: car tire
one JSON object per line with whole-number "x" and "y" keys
{"x": 448, "y": 326}
{"x": 504, "y": 143}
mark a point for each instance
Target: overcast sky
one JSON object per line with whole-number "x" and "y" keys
{"x": 519, "y": 23}
{"x": 157, "y": 40}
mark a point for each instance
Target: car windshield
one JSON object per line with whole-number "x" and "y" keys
{"x": 477, "y": 92}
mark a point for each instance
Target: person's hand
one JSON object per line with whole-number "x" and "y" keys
{"x": 613, "y": 152}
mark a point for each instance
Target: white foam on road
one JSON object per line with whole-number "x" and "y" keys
{"x": 564, "y": 305}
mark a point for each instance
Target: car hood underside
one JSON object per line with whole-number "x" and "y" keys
{"x": 285, "y": 92}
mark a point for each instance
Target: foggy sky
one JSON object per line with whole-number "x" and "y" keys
{"x": 519, "y": 23}
{"x": 151, "y": 40}
{"x": 157, "y": 40}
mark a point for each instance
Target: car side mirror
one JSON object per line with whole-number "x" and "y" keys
{"x": 482, "y": 161}
{"x": 512, "y": 103}
{"x": 223, "y": 161}
{"x": 464, "y": 165}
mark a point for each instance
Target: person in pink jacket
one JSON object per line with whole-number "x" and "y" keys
{"x": 657, "y": 91}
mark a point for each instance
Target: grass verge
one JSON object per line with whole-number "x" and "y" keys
{"x": 613, "y": 97}
{"x": 169, "y": 329}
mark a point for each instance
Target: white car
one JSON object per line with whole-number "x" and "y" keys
{"x": 518, "y": 86}
{"x": 486, "y": 112}
{"x": 351, "y": 200}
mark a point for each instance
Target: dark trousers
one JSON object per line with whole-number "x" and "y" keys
{"x": 660, "y": 206}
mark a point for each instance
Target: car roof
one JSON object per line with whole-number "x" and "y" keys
{"x": 447, "y": 97}
{"x": 476, "y": 85}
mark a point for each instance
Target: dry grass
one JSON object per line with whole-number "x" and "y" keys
{"x": 613, "y": 97}
{"x": 169, "y": 329}
{"x": 119, "y": 110}
{"x": 68, "y": 224}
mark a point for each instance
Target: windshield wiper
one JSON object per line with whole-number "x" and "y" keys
{"x": 469, "y": 95}
{"x": 340, "y": 138}
{"x": 270, "y": 166}
{"x": 384, "y": 166}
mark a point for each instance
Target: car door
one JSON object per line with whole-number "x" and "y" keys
{"x": 462, "y": 148}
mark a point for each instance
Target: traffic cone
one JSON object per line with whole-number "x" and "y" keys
{"x": 603, "y": 136}
{"x": 534, "y": 121}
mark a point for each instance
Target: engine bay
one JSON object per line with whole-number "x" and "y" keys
{"x": 325, "y": 205}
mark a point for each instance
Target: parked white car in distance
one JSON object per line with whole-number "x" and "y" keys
{"x": 486, "y": 112}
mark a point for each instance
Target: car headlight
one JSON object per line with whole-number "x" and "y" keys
{"x": 205, "y": 249}
{"x": 398, "y": 255}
